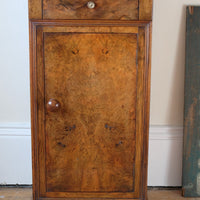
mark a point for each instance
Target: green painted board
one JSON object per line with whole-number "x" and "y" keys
{"x": 191, "y": 149}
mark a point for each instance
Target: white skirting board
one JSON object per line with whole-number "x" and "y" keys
{"x": 165, "y": 155}
{"x": 15, "y": 153}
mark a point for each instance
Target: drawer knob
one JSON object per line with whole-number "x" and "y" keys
{"x": 91, "y": 4}
{"x": 53, "y": 105}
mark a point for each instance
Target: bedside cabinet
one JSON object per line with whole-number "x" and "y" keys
{"x": 90, "y": 88}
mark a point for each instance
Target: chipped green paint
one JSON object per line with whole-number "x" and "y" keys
{"x": 191, "y": 149}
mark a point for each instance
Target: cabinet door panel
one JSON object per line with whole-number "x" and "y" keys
{"x": 90, "y": 140}
{"x": 90, "y": 108}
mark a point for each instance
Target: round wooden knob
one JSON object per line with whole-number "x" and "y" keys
{"x": 53, "y": 105}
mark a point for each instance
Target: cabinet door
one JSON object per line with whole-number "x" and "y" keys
{"x": 89, "y": 92}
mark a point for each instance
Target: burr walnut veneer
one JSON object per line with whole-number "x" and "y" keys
{"x": 90, "y": 80}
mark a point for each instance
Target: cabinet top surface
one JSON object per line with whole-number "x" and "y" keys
{"x": 91, "y": 9}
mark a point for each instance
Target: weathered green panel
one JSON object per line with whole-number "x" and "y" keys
{"x": 191, "y": 150}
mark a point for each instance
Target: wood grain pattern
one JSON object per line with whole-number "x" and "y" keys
{"x": 145, "y": 9}
{"x": 35, "y": 9}
{"x": 69, "y": 9}
{"x": 140, "y": 105}
{"x": 147, "y": 78}
{"x": 91, "y": 139}
{"x": 104, "y": 116}
{"x": 40, "y": 115}
{"x": 33, "y": 94}
{"x": 85, "y": 29}
{"x": 104, "y": 9}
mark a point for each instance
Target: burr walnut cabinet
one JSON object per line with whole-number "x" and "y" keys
{"x": 90, "y": 85}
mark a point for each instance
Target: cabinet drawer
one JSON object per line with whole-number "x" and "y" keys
{"x": 90, "y": 9}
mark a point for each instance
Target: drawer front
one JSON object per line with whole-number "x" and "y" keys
{"x": 94, "y": 9}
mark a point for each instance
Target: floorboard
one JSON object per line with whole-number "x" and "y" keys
{"x": 153, "y": 194}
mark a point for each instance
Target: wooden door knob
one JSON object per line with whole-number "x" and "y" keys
{"x": 53, "y": 105}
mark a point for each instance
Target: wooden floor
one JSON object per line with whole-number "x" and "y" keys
{"x": 26, "y": 193}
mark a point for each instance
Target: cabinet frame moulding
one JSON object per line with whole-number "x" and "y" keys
{"x": 36, "y": 27}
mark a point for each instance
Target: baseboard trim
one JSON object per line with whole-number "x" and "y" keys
{"x": 15, "y": 129}
{"x": 165, "y": 132}
{"x": 149, "y": 187}
{"x": 164, "y": 188}
{"x": 16, "y": 186}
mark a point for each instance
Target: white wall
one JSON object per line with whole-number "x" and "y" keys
{"x": 166, "y": 92}
{"x": 14, "y": 61}
{"x": 168, "y": 61}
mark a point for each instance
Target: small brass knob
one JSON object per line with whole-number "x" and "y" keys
{"x": 91, "y": 4}
{"x": 53, "y": 105}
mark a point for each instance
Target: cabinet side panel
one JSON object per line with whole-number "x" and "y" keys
{"x": 35, "y": 9}
{"x": 33, "y": 87}
{"x": 147, "y": 106}
{"x": 145, "y": 10}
